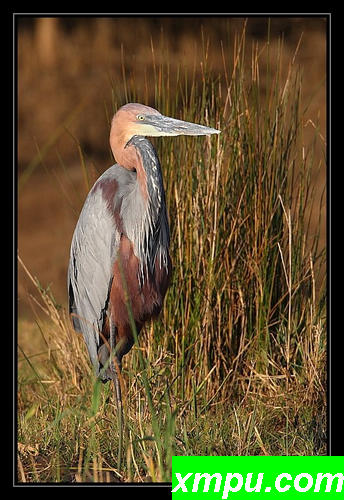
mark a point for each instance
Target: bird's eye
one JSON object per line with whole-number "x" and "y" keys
{"x": 140, "y": 117}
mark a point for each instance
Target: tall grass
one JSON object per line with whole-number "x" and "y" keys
{"x": 236, "y": 364}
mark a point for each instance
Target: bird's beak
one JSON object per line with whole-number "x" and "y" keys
{"x": 160, "y": 125}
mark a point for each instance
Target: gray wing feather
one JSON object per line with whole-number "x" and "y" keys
{"x": 93, "y": 251}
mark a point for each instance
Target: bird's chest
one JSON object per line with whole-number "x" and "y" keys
{"x": 130, "y": 295}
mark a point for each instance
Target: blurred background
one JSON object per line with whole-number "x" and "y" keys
{"x": 72, "y": 75}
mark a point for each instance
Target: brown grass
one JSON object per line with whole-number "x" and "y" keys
{"x": 236, "y": 363}
{"x": 86, "y": 62}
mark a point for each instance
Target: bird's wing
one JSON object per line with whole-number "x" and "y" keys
{"x": 93, "y": 251}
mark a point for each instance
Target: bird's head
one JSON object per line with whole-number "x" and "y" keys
{"x": 138, "y": 119}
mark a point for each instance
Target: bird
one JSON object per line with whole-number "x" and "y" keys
{"x": 120, "y": 267}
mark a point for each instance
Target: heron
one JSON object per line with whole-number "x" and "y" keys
{"x": 120, "y": 266}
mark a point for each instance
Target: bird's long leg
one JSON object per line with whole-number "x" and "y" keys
{"x": 115, "y": 367}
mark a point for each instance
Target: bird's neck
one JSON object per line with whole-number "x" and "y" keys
{"x": 145, "y": 161}
{"x": 124, "y": 154}
{"x": 154, "y": 230}
{"x": 138, "y": 154}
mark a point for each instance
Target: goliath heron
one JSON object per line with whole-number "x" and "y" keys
{"x": 119, "y": 266}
